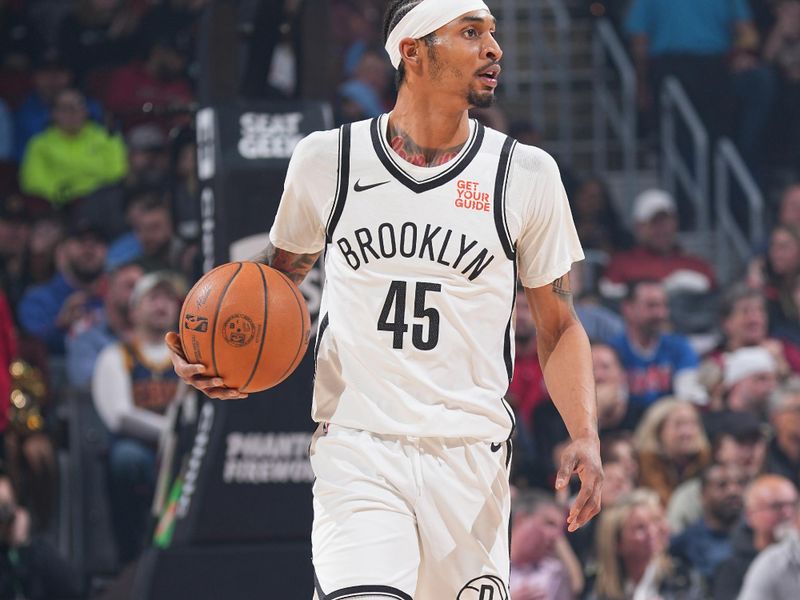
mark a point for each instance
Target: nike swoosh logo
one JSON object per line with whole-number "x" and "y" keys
{"x": 496, "y": 447}
{"x": 363, "y": 188}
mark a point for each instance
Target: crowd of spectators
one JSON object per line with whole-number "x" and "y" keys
{"x": 698, "y": 378}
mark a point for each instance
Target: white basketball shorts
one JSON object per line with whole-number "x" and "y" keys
{"x": 409, "y": 518}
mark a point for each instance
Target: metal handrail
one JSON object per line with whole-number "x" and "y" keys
{"x": 531, "y": 67}
{"x": 564, "y": 57}
{"x": 730, "y": 167}
{"x": 619, "y": 117}
{"x": 675, "y": 104}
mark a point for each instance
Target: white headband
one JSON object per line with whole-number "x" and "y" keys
{"x": 426, "y": 17}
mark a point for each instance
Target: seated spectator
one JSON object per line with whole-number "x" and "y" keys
{"x": 158, "y": 85}
{"x": 671, "y": 445}
{"x": 737, "y": 439}
{"x": 155, "y": 233}
{"x": 656, "y": 254}
{"x": 132, "y": 387}
{"x": 656, "y": 363}
{"x": 83, "y": 347}
{"x": 775, "y": 573}
{"x": 186, "y": 186}
{"x": 600, "y": 322}
{"x": 776, "y": 274}
{"x": 537, "y": 526}
{"x": 618, "y": 448}
{"x": 750, "y": 376}
{"x": 51, "y": 76}
{"x": 789, "y": 207}
{"x": 148, "y": 159}
{"x": 769, "y": 505}
{"x": 706, "y": 543}
{"x": 782, "y": 49}
{"x": 783, "y": 453}
{"x": 744, "y": 322}
{"x": 632, "y": 538}
{"x": 49, "y": 310}
{"x": 30, "y": 567}
{"x": 6, "y": 133}
{"x": 598, "y": 224}
{"x": 97, "y": 34}
{"x": 14, "y": 235}
{"x": 73, "y": 157}
{"x": 364, "y": 94}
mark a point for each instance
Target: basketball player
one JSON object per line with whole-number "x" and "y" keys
{"x": 427, "y": 219}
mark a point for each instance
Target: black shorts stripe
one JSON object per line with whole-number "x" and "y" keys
{"x": 323, "y": 325}
{"x": 423, "y": 186}
{"x": 500, "y": 184}
{"x": 357, "y": 591}
{"x": 343, "y": 182}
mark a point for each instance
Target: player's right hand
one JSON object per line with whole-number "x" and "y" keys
{"x": 194, "y": 374}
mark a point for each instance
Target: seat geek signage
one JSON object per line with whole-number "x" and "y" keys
{"x": 269, "y": 135}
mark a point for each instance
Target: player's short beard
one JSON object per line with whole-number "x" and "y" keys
{"x": 480, "y": 99}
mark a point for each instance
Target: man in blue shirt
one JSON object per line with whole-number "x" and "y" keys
{"x": 49, "y": 310}
{"x": 657, "y": 363}
{"x": 706, "y": 543}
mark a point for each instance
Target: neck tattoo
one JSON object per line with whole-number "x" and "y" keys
{"x": 410, "y": 151}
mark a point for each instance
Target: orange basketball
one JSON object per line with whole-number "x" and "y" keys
{"x": 247, "y": 323}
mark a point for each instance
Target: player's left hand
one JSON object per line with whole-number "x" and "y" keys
{"x": 582, "y": 456}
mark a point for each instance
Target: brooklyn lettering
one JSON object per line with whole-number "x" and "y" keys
{"x": 430, "y": 242}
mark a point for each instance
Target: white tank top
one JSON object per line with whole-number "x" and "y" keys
{"x": 416, "y": 322}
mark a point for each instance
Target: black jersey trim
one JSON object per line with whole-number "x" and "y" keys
{"x": 500, "y": 185}
{"x": 342, "y": 182}
{"x": 358, "y": 591}
{"x": 419, "y": 187}
{"x": 508, "y": 341}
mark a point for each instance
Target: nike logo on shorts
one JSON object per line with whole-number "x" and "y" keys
{"x": 496, "y": 447}
{"x": 363, "y": 188}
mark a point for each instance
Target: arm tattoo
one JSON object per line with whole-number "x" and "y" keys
{"x": 409, "y": 150}
{"x": 294, "y": 266}
{"x": 561, "y": 289}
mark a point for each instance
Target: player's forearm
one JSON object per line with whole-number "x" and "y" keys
{"x": 294, "y": 266}
{"x": 567, "y": 366}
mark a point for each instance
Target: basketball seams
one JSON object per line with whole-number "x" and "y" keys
{"x": 263, "y": 327}
{"x": 300, "y": 345}
{"x": 216, "y": 318}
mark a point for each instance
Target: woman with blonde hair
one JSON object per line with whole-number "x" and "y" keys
{"x": 671, "y": 445}
{"x": 632, "y": 560}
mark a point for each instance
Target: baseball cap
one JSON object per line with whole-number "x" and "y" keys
{"x": 744, "y": 362}
{"x": 145, "y": 137}
{"x": 652, "y": 202}
{"x": 172, "y": 282}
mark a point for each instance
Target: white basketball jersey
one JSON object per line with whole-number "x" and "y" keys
{"x": 416, "y": 323}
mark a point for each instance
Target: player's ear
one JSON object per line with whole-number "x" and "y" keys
{"x": 410, "y": 53}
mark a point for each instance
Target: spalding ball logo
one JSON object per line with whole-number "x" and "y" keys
{"x": 487, "y": 587}
{"x": 239, "y": 330}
